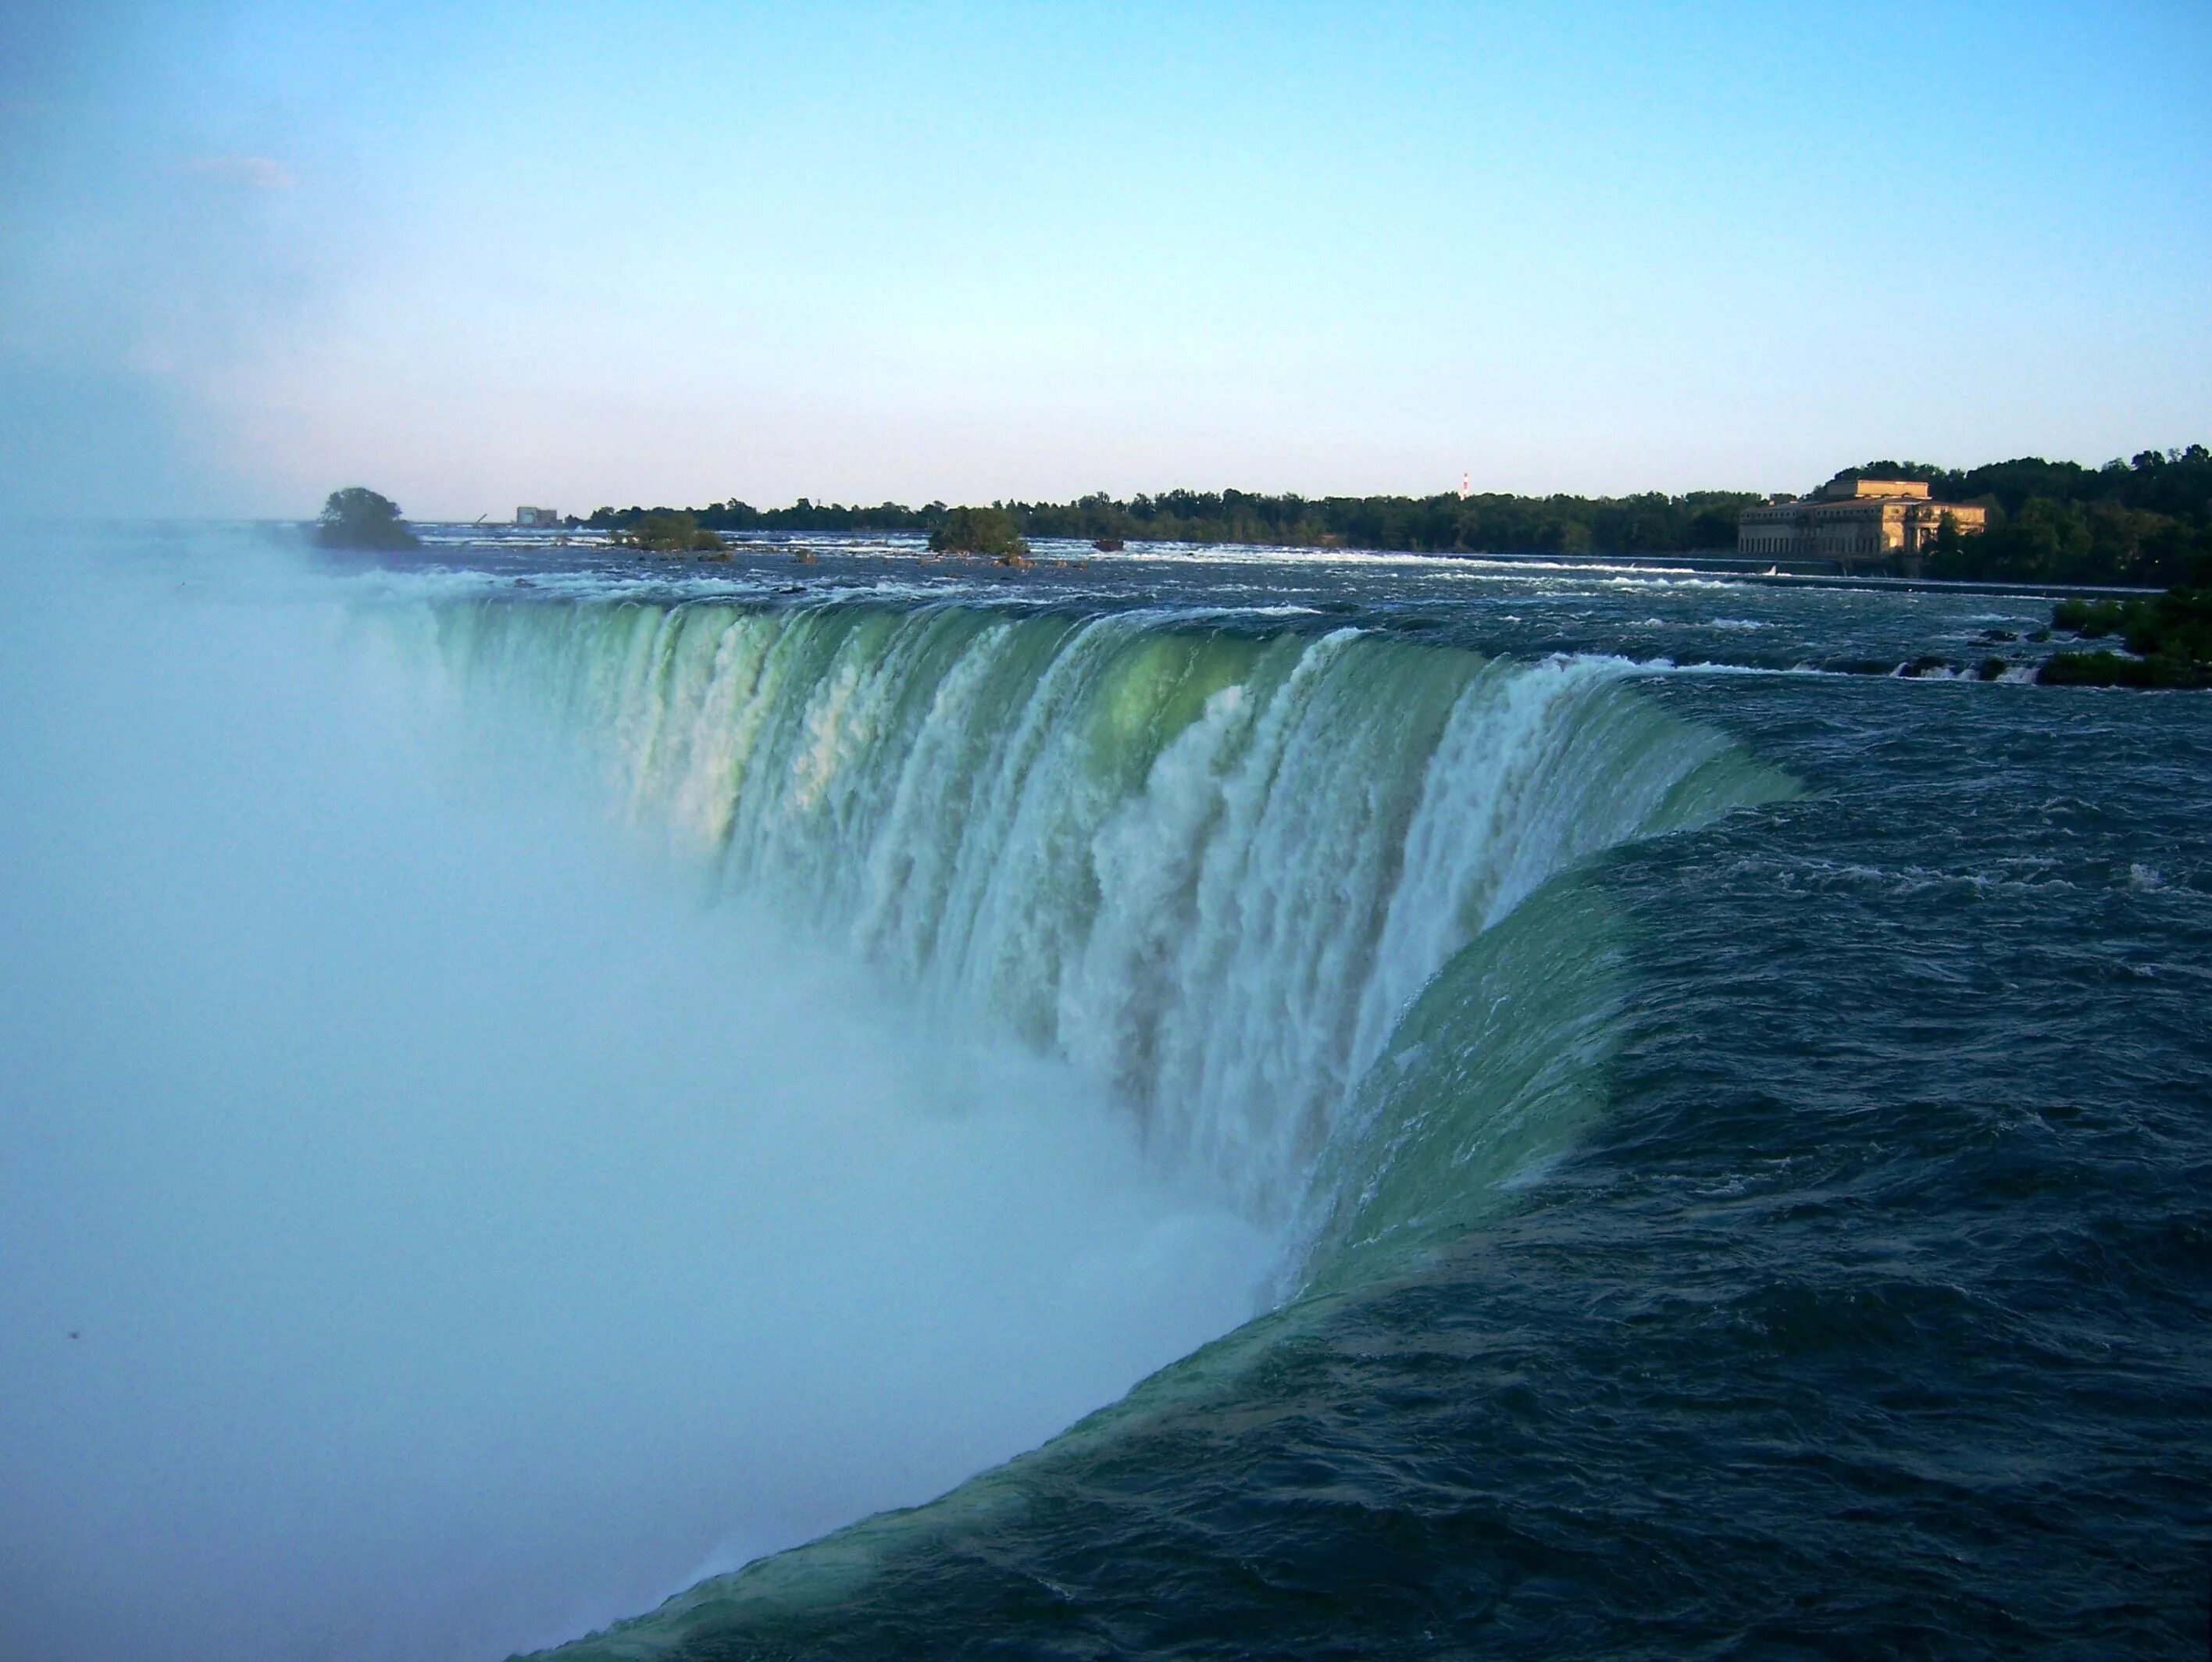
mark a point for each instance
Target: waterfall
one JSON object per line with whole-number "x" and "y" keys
{"x": 1216, "y": 869}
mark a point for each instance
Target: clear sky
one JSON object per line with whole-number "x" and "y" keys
{"x": 578, "y": 254}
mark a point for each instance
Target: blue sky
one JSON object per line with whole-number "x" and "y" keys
{"x": 579, "y": 254}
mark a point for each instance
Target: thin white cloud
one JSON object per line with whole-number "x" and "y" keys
{"x": 259, "y": 172}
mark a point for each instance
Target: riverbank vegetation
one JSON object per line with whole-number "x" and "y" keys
{"x": 2146, "y": 522}
{"x": 2169, "y": 637}
{"x": 1445, "y": 524}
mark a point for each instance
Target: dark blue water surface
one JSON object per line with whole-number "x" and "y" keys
{"x": 1872, "y": 1314}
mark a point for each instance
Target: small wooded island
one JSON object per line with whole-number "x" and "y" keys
{"x": 990, "y": 532}
{"x": 669, "y": 531}
{"x": 357, "y": 517}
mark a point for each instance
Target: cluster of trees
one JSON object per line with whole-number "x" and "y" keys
{"x": 802, "y": 515}
{"x": 2147, "y": 522}
{"x": 987, "y": 531}
{"x": 1652, "y": 524}
{"x": 1443, "y": 524}
{"x": 668, "y": 530}
{"x": 357, "y": 517}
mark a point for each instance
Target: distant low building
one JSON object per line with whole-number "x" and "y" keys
{"x": 543, "y": 517}
{"x": 1857, "y": 523}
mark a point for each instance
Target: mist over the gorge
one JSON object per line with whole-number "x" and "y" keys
{"x": 432, "y": 1229}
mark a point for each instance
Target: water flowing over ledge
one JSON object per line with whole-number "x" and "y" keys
{"x": 1215, "y": 869}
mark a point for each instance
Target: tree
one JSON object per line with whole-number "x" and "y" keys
{"x": 357, "y": 517}
{"x": 1948, "y": 543}
{"x": 670, "y": 530}
{"x": 978, "y": 530}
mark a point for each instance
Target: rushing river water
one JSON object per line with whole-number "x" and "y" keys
{"x": 1714, "y": 1151}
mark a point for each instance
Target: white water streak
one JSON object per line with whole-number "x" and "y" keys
{"x": 1214, "y": 871}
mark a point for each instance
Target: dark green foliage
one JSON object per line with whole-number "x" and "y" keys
{"x": 2094, "y": 618}
{"x": 989, "y": 531}
{"x": 2112, "y": 669}
{"x": 2148, "y": 521}
{"x": 1992, "y": 669}
{"x": 2170, "y": 635}
{"x": 1949, "y": 549}
{"x": 807, "y": 515}
{"x": 803, "y": 515}
{"x": 1653, "y": 524}
{"x": 669, "y": 531}
{"x": 357, "y": 517}
{"x": 2177, "y": 624}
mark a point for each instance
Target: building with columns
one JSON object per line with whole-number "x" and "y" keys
{"x": 1859, "y": 524}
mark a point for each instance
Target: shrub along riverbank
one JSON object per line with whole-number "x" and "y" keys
{"x": 2169, "y": 634}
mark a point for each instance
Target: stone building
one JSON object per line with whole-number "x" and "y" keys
{"x": 1856, "y": 523}
{"x": 538, "y": 517}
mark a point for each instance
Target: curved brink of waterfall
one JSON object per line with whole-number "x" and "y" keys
{"x": 1293, "y": 896}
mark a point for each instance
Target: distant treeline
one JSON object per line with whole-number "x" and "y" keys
{"x": 1650, "y": 523}
{"x": 802, "y": 515}
{"x": 2147, "y": 521}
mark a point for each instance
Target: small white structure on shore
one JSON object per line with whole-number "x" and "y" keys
{"x": 543, "y": 518}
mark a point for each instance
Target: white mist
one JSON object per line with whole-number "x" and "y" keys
{"x": 425, "y": 1232}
